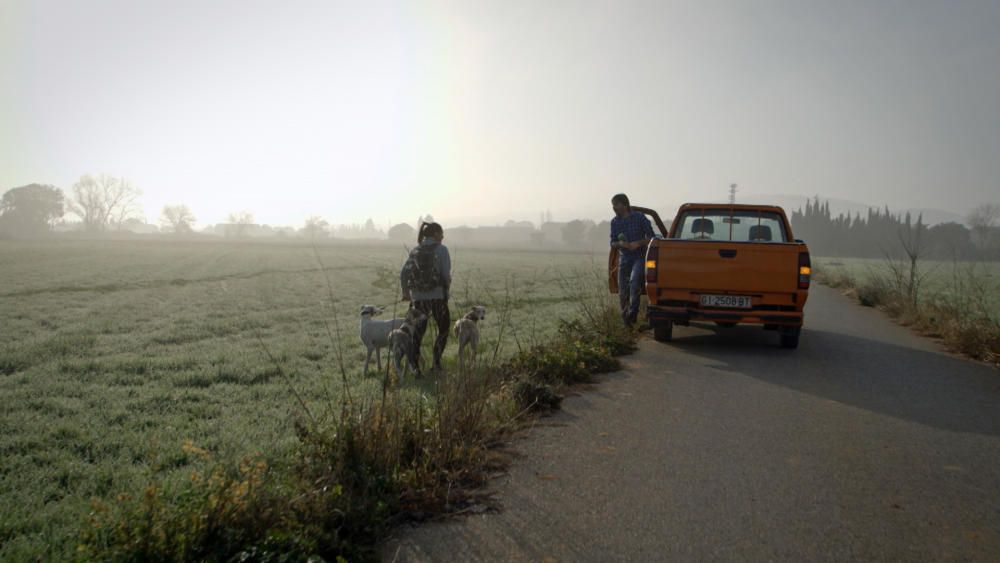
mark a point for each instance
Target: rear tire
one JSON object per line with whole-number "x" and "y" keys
{"x": 664, "y": 332}
{"x": 790, "y": 339}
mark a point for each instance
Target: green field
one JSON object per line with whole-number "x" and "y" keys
{"x": 942, "y": 281}
{"x": 114, "y": 354}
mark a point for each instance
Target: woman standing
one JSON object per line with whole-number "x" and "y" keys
{"x": 425, "y": 279}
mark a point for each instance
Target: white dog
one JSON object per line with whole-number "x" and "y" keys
{"x": 375, "y": 334}
{"x": 467, "y": 332}
{"x": 403, "y": 345}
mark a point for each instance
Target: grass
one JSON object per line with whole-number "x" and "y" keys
{"x": 957, "y": 302}
{"x": 148, "y": 383}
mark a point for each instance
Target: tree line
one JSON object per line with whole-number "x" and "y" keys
{"x": 101, "y": 202}
{"x": 881, "y": 233}
{"x": 107, "y": 203}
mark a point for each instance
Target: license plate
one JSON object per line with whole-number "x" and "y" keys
{"x": 726, "y": 301}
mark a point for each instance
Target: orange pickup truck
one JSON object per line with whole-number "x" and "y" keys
{"x": 727, "y": 264}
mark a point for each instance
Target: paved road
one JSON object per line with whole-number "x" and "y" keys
{"x": 867, "y": 442}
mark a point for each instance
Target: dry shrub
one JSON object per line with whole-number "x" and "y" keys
{"x": 834, "y": 277}
{"x": 978, "y": 341}
{"x": 975, "y": 334}
{"x": 534, "y": 396}
{"x": 211, "y": 517}
{"x": 878, "y": 290}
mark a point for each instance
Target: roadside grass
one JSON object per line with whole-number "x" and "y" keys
{"x": 956, "y": 302}
{"x": 163, "y": 415}
{"x": 365, "y": 464}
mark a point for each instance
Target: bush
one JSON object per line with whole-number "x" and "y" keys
{"x": 582, "y": 349}
{"x": 874, "y": 292}
{"x": 977, "y": 340}
{"x": 535, "y": 397}
{"x": 550, "y": 364}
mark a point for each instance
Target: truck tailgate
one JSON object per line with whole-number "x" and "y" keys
{"x": 726, "y": 267}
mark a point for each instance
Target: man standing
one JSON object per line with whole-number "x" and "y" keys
{"x": 630, "y": 233}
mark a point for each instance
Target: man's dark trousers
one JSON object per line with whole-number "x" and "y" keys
{"x": 630, "y": 281}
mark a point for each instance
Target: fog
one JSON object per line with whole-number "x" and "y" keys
{"x": 480, "y": 112}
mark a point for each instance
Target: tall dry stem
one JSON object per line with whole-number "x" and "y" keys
{"x": 336, "y": 339}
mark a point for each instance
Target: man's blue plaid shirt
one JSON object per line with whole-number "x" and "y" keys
{"x": 636, "y": 227}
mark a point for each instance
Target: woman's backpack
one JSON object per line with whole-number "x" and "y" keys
{"x": 421, "y": 268}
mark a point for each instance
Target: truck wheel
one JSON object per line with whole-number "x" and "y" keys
{"x": 664, "y": 332}
{"x": 790, "y": 339}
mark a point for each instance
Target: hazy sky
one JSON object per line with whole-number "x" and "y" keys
{"x": 481, "y": 111}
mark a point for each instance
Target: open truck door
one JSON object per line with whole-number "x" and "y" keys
{"x": 613, "y": 253}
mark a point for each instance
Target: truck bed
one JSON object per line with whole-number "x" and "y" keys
{"x": 727, "y": 267}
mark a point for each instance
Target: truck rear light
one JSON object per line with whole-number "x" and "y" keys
{"x": 651, "y": 256}
{"x": 805, "y": 270}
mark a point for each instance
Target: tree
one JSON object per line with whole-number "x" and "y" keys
{"x": 950, "y": 240}
{"x": 315, "y": 226}
{"x": 908, "y": 277}
{"x": 104, "y": 201}
{"x": 31, "y": 210}
{"x": 177, "y": 218}
{"x": 137, "y": 225}
{"x": 982, "y": 219}
{"x": 512, "y": 224}
{"x": 125, "y": 204}
{"x": 600, "y": 235}
{"x": 240, "y": 221}
{"x": 402, "y": 232}
{"x": 572, "y": 232}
